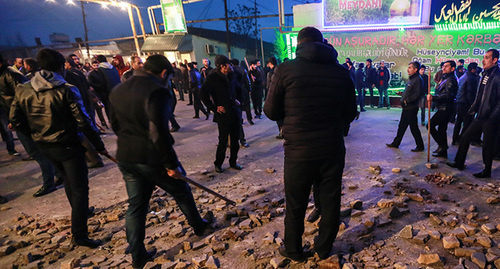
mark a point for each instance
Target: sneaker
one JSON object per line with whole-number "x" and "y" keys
{"x": 175, "y": 129}
{"x": 3, "y": 200}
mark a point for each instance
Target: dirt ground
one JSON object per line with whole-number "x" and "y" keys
{"x": 368, "y": 237}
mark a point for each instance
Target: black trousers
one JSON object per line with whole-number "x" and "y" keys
{"x": 326, "y": 176}
{"x": 245, "y": 104}
{"x": 70, "y": 163}
{"x": 409, "y": 118}
{"x": 440, "y": 119}
{"x": 227, "y": 129}
{"x": 462, "y": 118}
{"x": 490, "y": 134}
{"x": 257, "y": 100}
{"x": 197, "y": 103}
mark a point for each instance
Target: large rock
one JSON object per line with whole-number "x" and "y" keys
{"x": 331, "y": 263}
{"x": 479, "y": 259}
{"x": 385, "y": 203}
{"x": 406, "y": 232}
{"x": 430, "y": 259}
{"x": 450, "y": 242}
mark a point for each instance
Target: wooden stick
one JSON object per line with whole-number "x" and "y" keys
{"x": 190, "y": 181}
{"x": 429, "y": 102}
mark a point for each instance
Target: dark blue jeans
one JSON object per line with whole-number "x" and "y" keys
{"x": 140, "y": 180}
{"x": 69, "y": 161}
{"x": 34, "y": 152}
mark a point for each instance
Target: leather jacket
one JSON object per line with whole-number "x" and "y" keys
{"x": 444, "y": 96}
{"x": 52, "y": 112}
{"x": 490, "y": 110}
{"x": 9, "y": 79}
{"x": 411, "y": 94}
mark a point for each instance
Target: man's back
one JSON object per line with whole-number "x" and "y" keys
{"x": 138, "y": 128}
{"x": 318, "y": 98}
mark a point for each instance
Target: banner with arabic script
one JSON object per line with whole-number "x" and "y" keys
{"x": 351, "y": 13}
{"x": 399, "y": 48}
{"x": 459, "y": 15}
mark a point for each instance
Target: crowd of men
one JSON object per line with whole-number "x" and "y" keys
{"x": 51, "y": 103}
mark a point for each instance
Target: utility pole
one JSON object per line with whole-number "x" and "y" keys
{"x": 256, "y": 30}
{"x": 86, "y": 33}
{"x": 228, "y": 41}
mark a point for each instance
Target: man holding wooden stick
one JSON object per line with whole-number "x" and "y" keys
{"x": 141, "y": 109}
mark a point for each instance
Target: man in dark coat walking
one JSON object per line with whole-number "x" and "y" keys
{"x": 221, "y": 94}
{"x": 140, "y": 114}
{"x": 409, "y": 103}
{"x": 444, "y": 98}
{"x": 486, "y": 109}
{"x": 315, "y": 112}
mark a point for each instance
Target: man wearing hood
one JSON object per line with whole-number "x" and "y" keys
{"x": 314, "y": 96}
{"x": 51, "y": 111}
{"x": 119, "y": 64}
{"x": 103, "y": 80}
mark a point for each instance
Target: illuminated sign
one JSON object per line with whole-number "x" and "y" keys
{"x": 173, "y": 16}
{"x": 351, "y": 13}
{"x": 466, "y": 15}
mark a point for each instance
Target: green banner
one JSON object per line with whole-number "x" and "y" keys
{"x": 398, "y": 48}
{"x": 173, "y": 16}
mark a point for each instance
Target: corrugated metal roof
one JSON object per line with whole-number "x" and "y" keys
{"x": 182, "y": 43}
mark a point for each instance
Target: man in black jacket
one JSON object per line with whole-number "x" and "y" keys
{"x": 221, "y": 94}
{"x": 443, "y": 97}
{"x": 467, "y": 89}
{"x": 256, "y": 78}
{"x": 51, "y": 111}
{"x": 103, "y": 80}
{"x": 370, "y": 79}
{"x": 315, "y": 112}
{"x": 486, "y": 108}
{"x": 382, "y": 82}
{"x": 409, "y": 103}
{"x": 360, "y": 86}
{"x": 140, "y": 114}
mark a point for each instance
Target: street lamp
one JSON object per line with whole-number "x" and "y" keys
{"x": 123, "y": 5}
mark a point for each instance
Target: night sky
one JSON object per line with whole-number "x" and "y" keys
{"x": 23, "y": 20}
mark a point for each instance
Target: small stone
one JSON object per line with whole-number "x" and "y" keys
{"x": 356, "y": 213}
{"x": 479, "y": 259}
{"x": 200, "y": 260}
{"x": 435, "y": 220}
{"x": 348, "y": 266}
{"x": 431, "y": 165}
{"x": 70, "y": 264}
{"x": 406, "y": 232}
{"x": 469, "y": 230}
{"x": 199, "y": 245}
{"x": 342, "y": 226}
{"x": 458, "y": 232}
{"x": 465, "y": 252}
{"x": 331, "y": 262}
{"x": 443, "y": 197}
{"x": 246, "y": 224}
{"x": 450, "y": 242}
{"x": 493, "y": 200}
{"x": 396, "y": 170}
{"x": 369, "y": 223}
{"x": 261, "y": 190}
{"x": 375, "y": 169}
{"x": 395, "y": 213}
{"x": 451, "y": 221}
{"x": 270, "y": 170}
{"x": 187, "y": 246}
{"x": 472, "y": 208}
{"x": 488, "y": 228}
{"x": 469, "y": 240}
{"x": 385, "y": 203}
{"x": 435, "y": 234}
{"x": 212, "y": 263}
{"x": 356, "y": 204}
{"x": 353, "y": 187}
{"x": 345, "y": 211}
{"x": 421, "y": 238}
{"x": 219, "y": 246}
{"x": 429, "y": 259}
{"x": 415, "y": 197}
{"x": 484, "y": 241}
